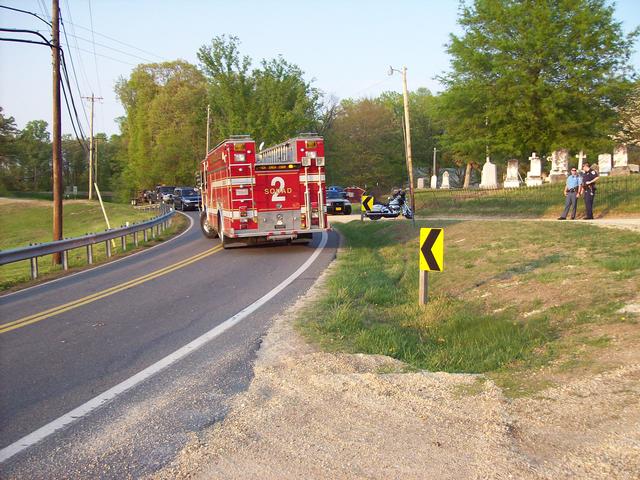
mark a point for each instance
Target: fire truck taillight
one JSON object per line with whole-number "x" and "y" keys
{"x": 303, "y": 220}
{"x": 243, "y": 224}
{"x": 315, "y": 216}
{"x": 320, "y": 161}
{"x": 243, "y": 212}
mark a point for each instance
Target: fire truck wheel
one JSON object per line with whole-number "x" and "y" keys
{"x": 347, "y": 210}
{"x": 206, "y": 228}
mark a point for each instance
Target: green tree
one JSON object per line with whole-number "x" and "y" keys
{"x": 164, "y": 127}
{"x": 9, "y": 164}
{"x": 270, "y": 103}
{"x": 532, "y": 75}
{"x": 34, "y": 153}
{"x": 365, "y": 146}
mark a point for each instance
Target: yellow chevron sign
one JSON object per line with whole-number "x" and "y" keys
{"x": 367, "y": 203}
{"x": 432, "y": 249}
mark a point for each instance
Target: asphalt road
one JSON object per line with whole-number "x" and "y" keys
{"x": 103, "y": 326}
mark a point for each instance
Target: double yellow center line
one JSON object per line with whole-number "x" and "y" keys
{"x": 22, "y": 322}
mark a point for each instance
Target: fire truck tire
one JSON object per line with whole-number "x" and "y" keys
{"x": 206, "y": 228}
{"x": 347, "y": 210}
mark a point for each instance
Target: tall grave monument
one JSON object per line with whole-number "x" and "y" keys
{"x": 534, "y": 175}
{"x": 620, "y": 161}
{"x": 489, "y": 175}
{"x": 559, "y": 165}
{"x": 512, "y": 180}
{"x": 604, "y": 164}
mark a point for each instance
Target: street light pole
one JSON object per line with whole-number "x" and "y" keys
{"x": 407, "y": 137}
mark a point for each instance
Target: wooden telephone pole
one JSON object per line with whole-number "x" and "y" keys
{"x": 57, "y": 128}
{"x": 93, "y": 99}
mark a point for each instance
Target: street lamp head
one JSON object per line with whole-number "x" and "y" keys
{"x": 390, "y": 70}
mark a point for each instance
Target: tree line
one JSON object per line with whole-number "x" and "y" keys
{"x": 525, "y": 76}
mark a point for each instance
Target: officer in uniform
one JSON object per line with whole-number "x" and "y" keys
{"x": 588, "y": 188}
{"x": 571, "y": 189}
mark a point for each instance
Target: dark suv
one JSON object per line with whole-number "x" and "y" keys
{"x": 186, "y": 198}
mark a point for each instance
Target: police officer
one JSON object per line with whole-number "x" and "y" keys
{"x": 571, "y": 190}
{"x": 588, "y": 188}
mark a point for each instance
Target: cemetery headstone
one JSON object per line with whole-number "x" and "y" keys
{"x": 489, "y": 175}
{"x": 581, "y": 158}
{"x": 421, "y": 183}
{"x": 512, "y": 180}
{"x": 559, "y": 165}
{"x": 620, "y": 161}
{"x": 534, "y": 175}
{"x": 445, "y": 180}
{"x": 434, "y": 181}
{"x": 604, "y": 164}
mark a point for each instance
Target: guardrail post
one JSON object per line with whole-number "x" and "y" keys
{"x": 124, "y": 242}
{"x": 145, "y": 235}
{"x": 90, "y": 254}
{"x": 153, "y": 232}
{"x": 135, "y": 238}
{"x": 65, "y": 260}
{"x": 34, "y": 268}
{"x": 108, "y": 246}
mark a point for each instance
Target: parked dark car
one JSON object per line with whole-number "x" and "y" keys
{"x": 337, "y": 203}
{"x": 186, "y": 198}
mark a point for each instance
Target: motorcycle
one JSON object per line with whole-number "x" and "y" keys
{"x": 396, "y": 205}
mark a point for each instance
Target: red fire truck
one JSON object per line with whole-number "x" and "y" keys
{"x": 276, "y": 194}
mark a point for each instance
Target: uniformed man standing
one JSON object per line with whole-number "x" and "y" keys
{"x": 588, "y": 188}
{"x": 571, "y": 190}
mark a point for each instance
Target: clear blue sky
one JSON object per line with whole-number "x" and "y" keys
{"x": 345, "y": 47}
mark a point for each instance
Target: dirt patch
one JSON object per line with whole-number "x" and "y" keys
{"x": 309, "y": 414}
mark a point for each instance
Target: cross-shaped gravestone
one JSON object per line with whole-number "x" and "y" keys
{"x": 534, "y": 175}
{"x": 581, "y": 158}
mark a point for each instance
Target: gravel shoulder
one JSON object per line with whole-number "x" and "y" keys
{"x": 310, "y": 414}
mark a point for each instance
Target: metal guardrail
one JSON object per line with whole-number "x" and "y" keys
{"x": 154, "y": 226}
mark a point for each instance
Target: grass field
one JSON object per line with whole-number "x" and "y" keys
{"x": 616, "y": 196}
{"x": 30, "y": 221}
{"x": 514, "y": 296}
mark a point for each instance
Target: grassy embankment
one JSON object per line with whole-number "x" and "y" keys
{"x": 514, "y": 297}
{"x": 616, "y": 196}
{"x": 30, "y": 221}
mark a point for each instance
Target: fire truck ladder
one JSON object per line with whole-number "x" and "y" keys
{"x": 253, "y": 201}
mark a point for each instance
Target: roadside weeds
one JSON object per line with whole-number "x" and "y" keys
{"x": 338, "y": 415}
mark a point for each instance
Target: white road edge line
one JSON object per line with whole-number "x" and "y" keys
{"x": 64, "y": 277}
{"x": 96, "y": 402}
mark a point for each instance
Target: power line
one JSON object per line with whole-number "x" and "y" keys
{"x": 95, "y": 58}
{"x": 28, "y": 13}
{"x": 73, "y": 67}
{"x": 110, "y": 48}
{"x": 82, "y": 69}
{"x": 117, "y": 41}
{"x": 103, "y": 56}
{"x": 66, "y": 75}
{"x": 50, "y": 45}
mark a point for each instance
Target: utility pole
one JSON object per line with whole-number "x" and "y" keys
{"x": 92, "y": 98}
{"x": 407, "y": 128}
{"x": 408, "y": 137}
{"x": 57, "y": 129}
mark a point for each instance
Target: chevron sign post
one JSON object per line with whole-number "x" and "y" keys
{"x": 366, "y": 205}
{"x": 431, "y": 258}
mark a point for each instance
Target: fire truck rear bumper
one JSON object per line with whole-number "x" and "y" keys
{"x": 278, "y": 235}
